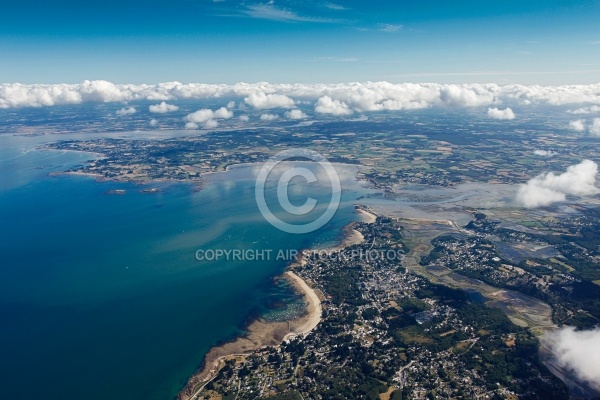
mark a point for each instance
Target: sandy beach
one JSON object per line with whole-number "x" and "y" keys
{"x": 258, "y": 335}
{"x": 305, "y": 324}
{"x": 351, "y": 235}
{"x": 261, "y": 333}
{"x": 367, "y": 216}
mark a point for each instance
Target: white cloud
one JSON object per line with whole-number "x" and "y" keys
{"x": 544, "y": 153}
{"x": 102, "y": 91}
{"x": 163, "y": 108}
{"x": 223, "y": 113}
{"x": 467, "y": 95}
{"x": 390, "y": 28}
{"x": 497, "y": 113}
{"x": 578, "y": 351}
{"x": 244, "y": 118}
{"x": 274, "y": 13}
{"x": 207, "y": 117}
{"x": 359, "y": 97}
{"x": 261, "y": 100}
{"x": 585, "y": 110}
{"x": 201, "y": 116}
{"x": 592, "y": 128}
{"x": 326, "y": 105}
{"x": 126, "y": 111}
{"x": 578, "y": 125}
{"x": 548, "y": 188}
{"x": 231, "y": 104}
{"x": 153, "y": 122}
{"x": 333, "y": 6}
{"x": 295, "y": 114}
{"x": 211, "y": 124}
{"x": 268, "y": 117}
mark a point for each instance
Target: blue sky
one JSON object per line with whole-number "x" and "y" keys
{"x": 531, "y": 42}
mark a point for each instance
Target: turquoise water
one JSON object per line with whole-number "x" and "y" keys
{"x": 101, "y": 296}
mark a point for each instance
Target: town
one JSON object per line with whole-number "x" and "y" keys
{"x": 387, "y": 333}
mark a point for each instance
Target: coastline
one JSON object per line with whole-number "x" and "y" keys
{"x": 308, "y": 322}
{"x": 259, "y": 333}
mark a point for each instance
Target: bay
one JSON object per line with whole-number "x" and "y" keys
{"x": 101, "y": 296}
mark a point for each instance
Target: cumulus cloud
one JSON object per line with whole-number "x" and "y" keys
{"x": 295, "y": 114}
{"x": 326, "y": 105}
{"x": 580, "y": 125}
{"x": 467, "y": 95}
{"x": 126, "y": 111}
{"x": 153, "y": 122}
{"x": 207, "y": 117}
{"x": 211, "y": 124}
{"x": 268, "y": 117}
{"x": 201, "y": 116}
{"x": 359, "y": 97}
{"x": 577, "y": 125}
{"x": 261, "y": 100}
{"x": 231, "y": 104}
{"x": 578, "y": 351}
{"x": 549, "y": 188}
{"x": 544, "y": 153}
{"x": 244, "y": 118}
{"x": 223, "y": 113}
{"x": 163, "y": 108}
{"x": 497, "y": 113}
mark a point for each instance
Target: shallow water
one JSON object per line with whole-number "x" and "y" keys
{"x": 101, "y": 296}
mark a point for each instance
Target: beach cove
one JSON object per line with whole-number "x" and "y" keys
{"x": 260, "y": 334}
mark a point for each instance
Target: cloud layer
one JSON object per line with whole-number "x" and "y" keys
{"x": 343, "y": 99}
{"x": 578, "y": 351}
{"x": 548, "y": 188}
{"x": 261, "y": 101}
{"x": 585, "y": 110}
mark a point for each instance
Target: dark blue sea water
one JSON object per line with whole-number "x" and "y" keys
{"x": 101, "y": 296}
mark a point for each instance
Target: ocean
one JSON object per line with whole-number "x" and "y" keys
{"x": 101, "y": 295}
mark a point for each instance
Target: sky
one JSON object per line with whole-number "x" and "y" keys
{"x": 224, "y": 41}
